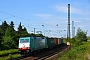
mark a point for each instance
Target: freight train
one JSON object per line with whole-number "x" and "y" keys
{"x": 29, "y": 45}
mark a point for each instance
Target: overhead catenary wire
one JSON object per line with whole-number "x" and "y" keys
{"x": 25, "y": 19}
{"x": 17, "y": 16}
{"x": 20, "y": 17}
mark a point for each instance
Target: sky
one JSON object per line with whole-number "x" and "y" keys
{"x": 49, "y": 13}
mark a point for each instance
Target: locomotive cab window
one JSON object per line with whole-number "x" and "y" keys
{"x": 24, "y": 40}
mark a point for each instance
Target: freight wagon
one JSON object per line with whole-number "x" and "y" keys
{"x": 32, "y": 44}
{"x": 50, "y": 42}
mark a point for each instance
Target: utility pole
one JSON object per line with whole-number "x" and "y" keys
{"x": 67, "y": 33}
{"x": 68, "y": 28}
{"x": 43, "y": 30}
{"x": 34, "y": 30}
{"x": 68, "y": 20}
{"x": 74, "y": 32}
{"x": 72, "y": 29}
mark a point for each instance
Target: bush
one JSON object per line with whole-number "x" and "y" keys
{"x": 76, "y": 53}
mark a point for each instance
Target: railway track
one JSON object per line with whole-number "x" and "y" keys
{"x": 46, "y": 55}
{"x": 51, "y": 53}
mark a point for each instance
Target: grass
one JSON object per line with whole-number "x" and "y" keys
{"x": 10, "y": 56}
{"x": 77, "y": 52}
{"x": 4, "y": 52}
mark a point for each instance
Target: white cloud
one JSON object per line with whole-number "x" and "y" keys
{"x": 76, "y": 10}
{"x": 65, "y": 9}
{"x": 61, "y": 8}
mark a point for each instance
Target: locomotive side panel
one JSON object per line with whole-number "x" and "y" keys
{"x": 39, "y": 43}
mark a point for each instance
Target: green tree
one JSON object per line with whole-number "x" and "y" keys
{"x": 16, "y": 39}
{"x": 1, "y": 35}
{"x": 39, "y": 35}
{"x": 24, "y": 32}
{"x": 20, "y": 29}
{"x": 81, "y": 35}
{"x": 9, "y": 38}
{"x": 4, "y": 26}
{"x": 12, "y": 25}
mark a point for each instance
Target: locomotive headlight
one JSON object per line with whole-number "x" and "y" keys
{"x": 27, "y": 50}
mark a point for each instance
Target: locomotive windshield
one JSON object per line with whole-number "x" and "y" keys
{"x": 24, "y": 40}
